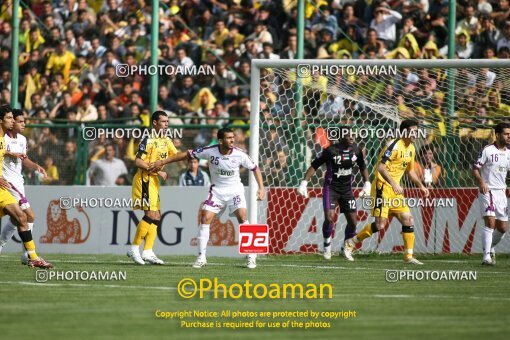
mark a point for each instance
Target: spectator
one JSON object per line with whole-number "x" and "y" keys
{"x": 182, "y": 59}
{"x": 6, "y": 35}
{"x": 384, "y": 23}
{"x": 349, "y": 19}
{"x": 51, "y": 171}
{"x": 87, "y": 112}
{"x": 373, "y": 44}
{"x": 123, "y": 180}
{"x": 500, "y": 15}
{"x": 291, "y": 51}
{"x": 267, "y": 52}
{"x": 463, "y": 46}
{"x": 220, "y": 34}
{"x": 67, "y": 165}
{"x": 470, "y": 23}
{"x": 428, "y": 171}
{"x": 60, "y": 61}
{"x": 260, "y": 35}
{"x": 193, "y": 176}
{"x": 106, "y": 170}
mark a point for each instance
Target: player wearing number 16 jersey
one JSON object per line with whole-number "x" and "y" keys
{"x": 490, "y": 171}
{"x": 226, "y": 189}
{"x": 337, "y": 189}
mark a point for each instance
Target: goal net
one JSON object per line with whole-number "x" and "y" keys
{"x": 296, "y": 104}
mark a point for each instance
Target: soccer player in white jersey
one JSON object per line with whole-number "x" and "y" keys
{"x": 226, "y": 190}
{"x": 14, "y": 159}
{"x": 490, "y": 172}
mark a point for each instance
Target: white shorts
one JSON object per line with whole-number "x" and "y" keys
{"x": 494, "y": 203}
{"x": 18, "y": 192}
{"x": 216, "y": 201}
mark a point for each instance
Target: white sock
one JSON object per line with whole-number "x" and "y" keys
{"x": 135, "y": 248}
{"x": 250, "y": 256}
{"x": 148, "y": 253}
{"x": 8, "y": 231}
{"x": 203, "y": 238}
{"x": 496, "y": 237}
{"x": 327, "y": 241}
{"x": 487, "y": 242}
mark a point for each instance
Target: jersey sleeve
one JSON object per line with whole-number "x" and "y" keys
{"x": 321, "y": 159}
{"x": 144, "y": 149}
{"x": 200, "y": 153}
{"x": 248, "y": 162}
{"x": 481, "y": 159}
{"x": 360, "y": 159}
{"x": 391, "y": 152}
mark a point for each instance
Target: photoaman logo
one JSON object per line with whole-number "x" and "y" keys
{"x": 253, "y": 239}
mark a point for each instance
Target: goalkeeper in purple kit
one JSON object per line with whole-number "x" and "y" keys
{"x": 337, "y": 189}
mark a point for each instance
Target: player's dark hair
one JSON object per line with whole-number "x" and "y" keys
{"x": 223, "y": 131}
{"x": 17, "y": 113}
{"x": 500, "y": 127}
{"x": 407, "y": 123}
{"x": 155, "y": 116}
{"x": 4, "y": 109}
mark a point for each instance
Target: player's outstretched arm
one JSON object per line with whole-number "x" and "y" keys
{"x": 484, "y": 188}
{"x": 28, "y": 163}
{"x": 175, "y": 158}
{"x": 163, "y": 175}
{"x": 416, "y": 180}
{"x": 260, "y": 183}
{"x": 302, "y": 190}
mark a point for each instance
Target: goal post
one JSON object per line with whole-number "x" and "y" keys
{"x": 372, "y": 95}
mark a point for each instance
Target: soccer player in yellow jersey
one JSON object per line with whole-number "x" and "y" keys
{"x": 387, "y": 194}
{"x": 145, "y": 190}
{"x": 8, "y": 204}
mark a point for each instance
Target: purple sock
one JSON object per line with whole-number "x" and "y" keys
{"x": 327, "y": 229}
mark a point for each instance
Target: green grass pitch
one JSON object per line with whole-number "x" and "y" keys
{"x": 126, "y": 309}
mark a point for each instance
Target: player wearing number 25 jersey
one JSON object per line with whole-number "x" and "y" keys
{"x": 340, "y": 159}
{"x": 226, "y": 189}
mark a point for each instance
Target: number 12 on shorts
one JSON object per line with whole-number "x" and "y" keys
{"x": 253, "y": 239}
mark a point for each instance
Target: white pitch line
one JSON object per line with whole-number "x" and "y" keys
{"x": 28, "y": 283}
{"x": 282, "y": 265}
{"x": 407, "y": 296}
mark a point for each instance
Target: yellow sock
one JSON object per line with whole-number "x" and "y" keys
{"x": 30, "y": 247}
{"x": 151, "y": 237}
{"x": 408, "y": 237}
{"x": 365, "y": 233}
{"x": 141, "y": 231}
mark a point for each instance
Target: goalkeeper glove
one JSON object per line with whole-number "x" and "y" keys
{"x": 366, "y": 190}
{"x": 302, "y": 190}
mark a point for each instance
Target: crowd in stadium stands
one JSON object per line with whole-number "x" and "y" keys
{"x": 69, "y": 50}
